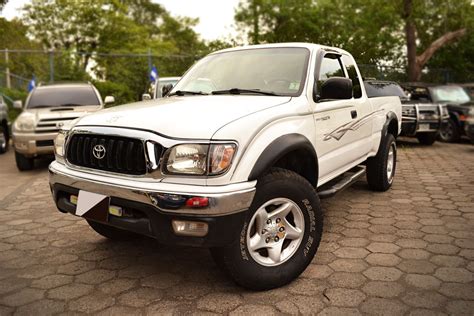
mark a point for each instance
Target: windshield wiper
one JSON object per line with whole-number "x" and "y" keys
{"x": 244, "y": 91}
{"x": 183, "y": 92}
{"x": 71, "y": 104}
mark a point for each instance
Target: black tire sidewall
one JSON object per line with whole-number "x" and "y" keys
{"x": 256, "y": 276}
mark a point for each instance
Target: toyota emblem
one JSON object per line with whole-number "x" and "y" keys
{"x": 98, "y": 151}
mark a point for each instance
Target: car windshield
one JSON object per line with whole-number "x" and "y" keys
{"x": 279, "y": 71}
{"x": 382, "y": 89}
{"x": 450, "y": 94}
{"x": 63, "y": 96}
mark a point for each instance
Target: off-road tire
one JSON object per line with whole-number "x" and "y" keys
{"x": 24, "y": 163}
{"x": 449, "y": 133}
{"x": 110, "y": 232}
{"x": 376, "y": 172}
{"x": 236, "y": 259}
{"x": 427, "y": 138}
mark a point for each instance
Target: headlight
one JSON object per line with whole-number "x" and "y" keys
{"x": 199, "y": 159}
{"x": 444, "y": 111}
{"x": 24, "y": 123}
{"x": 408, "y": 111}
{"x": 59, "y": 144}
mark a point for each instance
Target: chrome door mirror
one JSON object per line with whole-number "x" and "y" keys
{"x": 18, "y": 104}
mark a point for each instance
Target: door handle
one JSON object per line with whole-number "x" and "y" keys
{"x": 354, "y": 114}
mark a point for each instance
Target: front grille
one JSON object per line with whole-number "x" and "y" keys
{"x": 52, "y": 125}
{"x": 122, "y": 154}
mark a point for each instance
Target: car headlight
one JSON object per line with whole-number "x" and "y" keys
{"x": 24, "y": 123}
{"x": 444, "y": 111}
{"x": 199, "y": 159}
{"x": 59, "y": 144}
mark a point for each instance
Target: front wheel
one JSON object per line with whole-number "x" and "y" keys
{"x": 24, "y": 163}
{"x": 280, "y": 236}
{"x": 449, "y": 132}
{"x": 427, "y": 138}
{"x": 381, "y": 168}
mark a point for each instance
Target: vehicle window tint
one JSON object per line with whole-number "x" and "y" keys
{"x": 383, "y": 89}
{"x": 352, "y": 72}
{"x": 63, "y": 96}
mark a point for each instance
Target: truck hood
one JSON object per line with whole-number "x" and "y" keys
{"x": 195, "y": 117}
{"x": 59, "y": 113}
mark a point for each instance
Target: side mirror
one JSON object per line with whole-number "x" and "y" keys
{"x": 146, "y": 96}
{"x": 166, "y": 89}
{"x": 18, "y": 104}
{"x": 109, "y": 99}
{"x": 336, "y": 88}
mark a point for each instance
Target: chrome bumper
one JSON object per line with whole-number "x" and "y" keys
{"x": 223, "y": 200}
{"x": 26, "y": 144}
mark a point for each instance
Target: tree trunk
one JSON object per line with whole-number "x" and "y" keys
{"x": 410, "y": 32}
{"x": 256, "y": 31}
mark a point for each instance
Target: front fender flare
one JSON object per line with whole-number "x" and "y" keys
{"x": 278, "y": 149}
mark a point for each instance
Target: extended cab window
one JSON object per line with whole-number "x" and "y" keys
{"x": 352, "y": 72}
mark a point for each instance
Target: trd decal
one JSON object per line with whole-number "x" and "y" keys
{"x": 339, "y": 132}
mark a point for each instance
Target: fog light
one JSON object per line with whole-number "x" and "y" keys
{"x": 188, "y": 228}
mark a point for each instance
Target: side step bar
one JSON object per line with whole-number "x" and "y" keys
{"x": 346, "y": 180}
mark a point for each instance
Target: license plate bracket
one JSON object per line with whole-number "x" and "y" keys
{"x": 93, "y": 206}
{"x": 424, "y": 127}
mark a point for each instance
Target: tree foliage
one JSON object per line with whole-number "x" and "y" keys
{"x": 372, "y": 30}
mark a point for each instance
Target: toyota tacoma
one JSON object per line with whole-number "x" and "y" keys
{"x": 234, "y": 159}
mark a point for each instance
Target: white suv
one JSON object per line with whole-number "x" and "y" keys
{"x": 234, "y": 159}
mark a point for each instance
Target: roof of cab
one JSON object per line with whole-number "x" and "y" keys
{"x": 309, "y": 46}
{"x": 64, "y": 85}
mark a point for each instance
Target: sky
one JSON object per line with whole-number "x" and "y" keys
{"x": 216, "y": 17}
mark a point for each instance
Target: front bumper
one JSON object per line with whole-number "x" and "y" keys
{"x": 153, "y": 206}
{"x": 34, "y": 144}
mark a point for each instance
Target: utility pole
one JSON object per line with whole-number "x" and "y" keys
{"x": 7, "y": 70}
{"x": 51, "y": 66}
{"x": 149, "y": 61}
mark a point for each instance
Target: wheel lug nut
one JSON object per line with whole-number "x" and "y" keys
{"x": 267, "y": 240}
{"x": 269, "y": 221}
{"x": 264, "y": 231}
{"x": 276, "y": 239}
{"x": 282, "y": 229}
{"x": 278, "y": 220}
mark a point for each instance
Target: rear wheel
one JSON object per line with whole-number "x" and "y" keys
{"x": 24, "y": 163}
{"x": 280, "y": 236}
{"x": 3, "y": 139}
{"x": 449, "y": 132}
{"x": 111, "y": 232}
{"x": 381, "y": 168}
{"x": 427, "y": 138}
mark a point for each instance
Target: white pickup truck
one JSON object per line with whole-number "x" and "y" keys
{"x": 235, "y": 158}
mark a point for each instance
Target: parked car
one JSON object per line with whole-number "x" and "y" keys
{"x": 469, "y": 125}
{"x": 163, "y": 87}
{"x": 4, "y": 129}
{"x": 234, "y": 159}
{"x": 457, "y": 101}
{"x": 421, "y": 118}
{"x": 47, "y": 109}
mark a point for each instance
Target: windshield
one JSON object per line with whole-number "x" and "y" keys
{"x": 63, "y": 96}
{"x": 384, "y": 89}
{"x": 277, "y": 70}
{"x": 450, "y": 94}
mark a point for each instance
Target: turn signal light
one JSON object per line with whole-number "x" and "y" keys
{"x": 197, "y": 202}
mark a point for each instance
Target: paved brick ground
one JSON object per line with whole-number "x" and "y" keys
{"x": 406, "y": 251}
